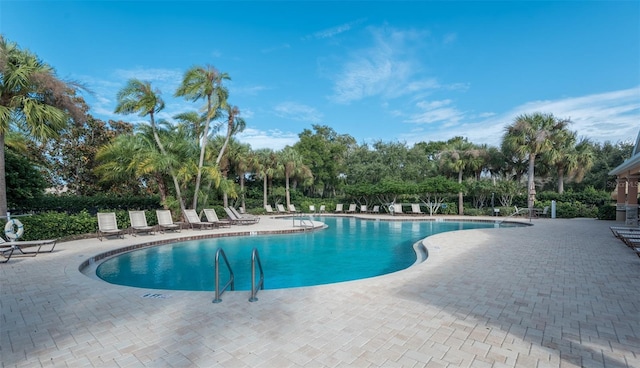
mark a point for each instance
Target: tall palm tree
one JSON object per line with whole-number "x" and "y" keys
{"x": 32, "y": 98}
{"x": 461, "y": 155}
{"x": 265, "y": 168}
{"x": 204, "y": 83}
{"x": 291, "y": 164}
{"x": 569, "y": 157}
{"x": 529, "y": 136}
{"x": 235, "y": 124}
{"x": 138, "y": 96}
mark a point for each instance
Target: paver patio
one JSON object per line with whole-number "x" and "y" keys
{"x": 561, "y": 293}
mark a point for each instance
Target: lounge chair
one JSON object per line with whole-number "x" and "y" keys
{"x": 212, "y": 216}
{"x": 139, "y": 224}
{"x": 108, "y": 225}
{"x": 352, "y": 208}
{"x": 19, "y": 245}
{"x": 323, "y": 209}
{"x": 292, "y": 208}
{"x": 237, "y": 220}
{"x": 339, "y": 208}
{"x": 194, "y": 221}
{"x": 617, "y": 229}
{"x": 395, "y": 208}
{"x": 6, "y": 251}
{"x": 376, "y": 209}
{"x": 415, "y": 209}
{"x": 246, "y": 216}
{"x": 269, "y": 209}
{"x": 363, "y": 208}
{"x": 520, "y": 211}
{"x": 281, "y": 208}
{"x": 312, "y": 208}
{"x": 165, "y": 221}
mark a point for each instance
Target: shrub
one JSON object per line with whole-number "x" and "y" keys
{"x": 607, "y": 212}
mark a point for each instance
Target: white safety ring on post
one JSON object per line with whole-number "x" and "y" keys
{"x": 10, "y": 232}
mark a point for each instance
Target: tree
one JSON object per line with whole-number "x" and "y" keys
{"x": 460, "y": 155}
{"x": 292, "y": 165}
{"x": 138, "y": 96}
{"x": 266, "y": 166}
{"x": 569, "y": 157}
{"x": 529, "y": 136}
{"x": 204, "y": 83}
{"x": 32, "y": 99}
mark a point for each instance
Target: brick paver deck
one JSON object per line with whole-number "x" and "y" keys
{"x": 561, "y": 293}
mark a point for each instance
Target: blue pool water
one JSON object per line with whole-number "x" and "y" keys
{"x": 348, "y": 249}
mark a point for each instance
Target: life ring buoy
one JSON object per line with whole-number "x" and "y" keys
{"x": 10, "y": 232}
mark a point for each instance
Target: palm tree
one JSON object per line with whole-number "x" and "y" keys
{"x": 529, "y": 136}
{"x": 292, "y": 164}
{"x": 235, "y": 124}
{"x": 204, "y": 83}
{"x": 32, "y": 98}
{"x": 265, "y": 169}
{"x": 569, "y": 157}
{"x": 461, "y": 155}
{"x": 138, "y": 96}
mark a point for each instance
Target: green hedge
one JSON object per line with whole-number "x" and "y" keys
{"x": 76, "y": 204}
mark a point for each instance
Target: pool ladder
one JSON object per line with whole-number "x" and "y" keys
{"x": 255, "y": 259}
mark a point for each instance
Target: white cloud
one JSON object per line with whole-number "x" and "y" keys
{"x": 334, "y": 31}
{"x": 274, "y": 139}
{"x": 609, "y": 116}
{"x": 388, "y": 68}
{"x": 298, "y": 112}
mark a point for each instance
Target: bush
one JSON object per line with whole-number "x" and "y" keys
{"x": 607, "y": 212}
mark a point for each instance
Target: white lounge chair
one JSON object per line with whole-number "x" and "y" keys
{"x": 352, "y": 208}
{"x": 339, "y": 208}
{"x": 238, "y": 220}
{"x": 138, "y": 220}
{"x": 246, "y": 216}
{"x": 312, "y": 208}
{"x": 280, "y": 208}
{"x": 194, "y": 220}
{"x": 292, "y": 208}
{"x": 20, "y": 245}
{"x": 415, "y": 209}
{"x": 212, "y": 217}
{"x": 269, "y": 209}
{"x": 376, "y": 209}
{"x": 363, "y": 208}
{"x": 323, "y": 208}
{"x": 165, "y": 221}
{"x": 108, "y": 225}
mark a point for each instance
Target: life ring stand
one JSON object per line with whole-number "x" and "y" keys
{"x": 10, "y": 229}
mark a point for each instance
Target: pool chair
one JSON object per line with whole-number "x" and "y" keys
{"x": 312, "y": 208}
{"x": 339, "y": 208}
{"x": 108, "y": 225}
{"x": 269, "y": 209}
{"x": 376, "y": 209}
{"x": 323, "y": 209}
{"x": 415, "y": 209}
{"x": 165, "y": 221}
{"x": 363, "y": 208}
{"x": 246, "y": 216}
{"x": 352, "y": 208}
{"x": 239, "y": 220}
{"x": 212, "y": 216}
{"x": 6, "y": 251}
{"x": 139, "y": 224}
{"x": 280, "y": 208}
{"x": 21, "y": 245}
{"x": 292, "y": 208}
{"x": 194, "y": 221}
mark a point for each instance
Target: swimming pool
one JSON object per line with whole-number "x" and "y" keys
{"x": 348, "y": 249}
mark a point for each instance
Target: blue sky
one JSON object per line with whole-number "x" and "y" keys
{"x": 392, "y": 71}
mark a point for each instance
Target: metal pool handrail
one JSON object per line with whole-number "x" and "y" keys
{"x": 219, "y": 291}
{"x": 255, "y": 258}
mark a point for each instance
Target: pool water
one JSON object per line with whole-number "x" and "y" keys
{"x": 348, "y": 249}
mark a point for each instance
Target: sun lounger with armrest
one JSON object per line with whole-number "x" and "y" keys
{"x": 212, "y": 216}
{"x": 194, "y": 221}
{"x": 139, "y": 224}
{"x": 238, "y": 220}
{"x": 165, "y": 221}
{"x": 108, "y": 225}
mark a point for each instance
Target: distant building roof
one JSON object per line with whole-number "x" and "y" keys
{"x": 632, "y": 165}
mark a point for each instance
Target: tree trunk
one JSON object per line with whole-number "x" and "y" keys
{"x": 264, "y": 191}
{"x": 3, "y": 180}
{"x": 531, "y": 183}
{"x": 202, "y": 152}
{"x": 286, "y": 187}
{"x": 460, "y": 196}
{"x": 242, "y": 204}
{"x": 560, "y": 180}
